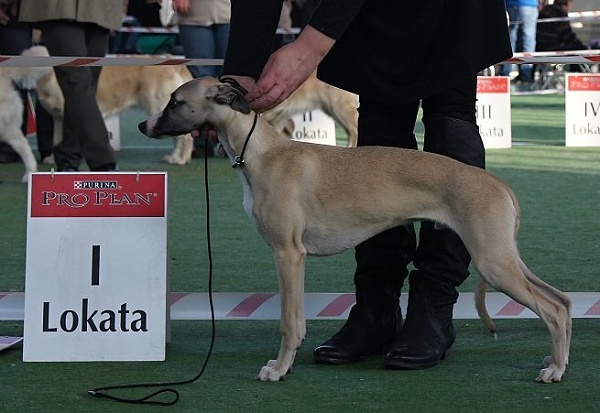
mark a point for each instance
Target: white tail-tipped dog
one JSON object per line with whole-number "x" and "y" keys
{"x": 311, "y": 199}
{"x": 11, "y": 106}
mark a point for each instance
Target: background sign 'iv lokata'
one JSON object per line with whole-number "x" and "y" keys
{"x": 582, "y": 110}
{"x": 95, "y": 282}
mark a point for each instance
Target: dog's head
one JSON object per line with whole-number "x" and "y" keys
{"x": 199, "y": 102}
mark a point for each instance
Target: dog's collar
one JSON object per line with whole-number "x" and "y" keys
{"x": 239, "y": 160}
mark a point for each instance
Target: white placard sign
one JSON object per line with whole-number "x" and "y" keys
{"x": 582, "y": 110}
{"x": 493, "y": 111}
{"x": 315, "y": 127}
{"x": 95, "y": 277}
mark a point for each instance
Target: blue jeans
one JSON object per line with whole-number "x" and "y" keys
{"x": 522, "y": 31}
{"x": 204, "y": 42}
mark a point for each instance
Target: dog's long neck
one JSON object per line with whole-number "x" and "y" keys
{"x": 239, "y": 159}
{"x": 247, "y": 137}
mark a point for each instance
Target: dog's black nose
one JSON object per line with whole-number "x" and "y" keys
{"x": 143, "y": 127}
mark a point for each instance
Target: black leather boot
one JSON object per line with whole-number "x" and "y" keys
{"x": 368, "y": 331}
{"x": 441, "y": 260}
{"x": 428, "y": 333}
{"x": 376, "y": 319}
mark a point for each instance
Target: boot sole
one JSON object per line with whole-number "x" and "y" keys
{"x": 329, "y": 360}
{"x": 404, "y": 365}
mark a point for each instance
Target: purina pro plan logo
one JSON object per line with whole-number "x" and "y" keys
{"x": 95, "y": 282}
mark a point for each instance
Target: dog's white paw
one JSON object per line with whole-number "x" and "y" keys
{"x": 25, "y": 178}
{"x": 173, "y": 160}
{"x": 550, "y": 372}
{"x": 270, "y": 373}
{"x": 48, "y": 160}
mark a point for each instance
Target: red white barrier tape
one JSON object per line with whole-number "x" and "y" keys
{"x": 592, "y": 13}
{"x": 175, "y": 30}
{"x": 109, "y": 60}
{"x": 318, "y": 306}
{"x": 560, "y": 57}
{"x": 573, "y": 17}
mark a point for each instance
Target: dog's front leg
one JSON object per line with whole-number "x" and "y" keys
{"x": 182, "y": 150}
{"x": 290, "y": 270}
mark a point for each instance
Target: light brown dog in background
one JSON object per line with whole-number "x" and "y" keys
{"x": 119, "y": 88}
{"x": 308, "y": 199}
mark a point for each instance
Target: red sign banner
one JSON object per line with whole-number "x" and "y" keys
{"x": 490, "y": 84}
{"x": 584, "y": 83}
{"x": 98, "y": 194}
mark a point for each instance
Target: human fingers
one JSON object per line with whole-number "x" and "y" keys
{"x": 181, "y": 6}
{"x": 4, "y": 17}
{"x": 268, "y": 100}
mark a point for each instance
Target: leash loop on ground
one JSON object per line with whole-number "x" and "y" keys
{"x": 143, "y": 400}
{"x": 98, "y": 392}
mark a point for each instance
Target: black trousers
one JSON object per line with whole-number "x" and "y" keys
{"x": 84, "y": 132}
{"x": 451, "y": 130}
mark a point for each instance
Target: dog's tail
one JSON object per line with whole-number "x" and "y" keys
{"x": 482, "y": 309}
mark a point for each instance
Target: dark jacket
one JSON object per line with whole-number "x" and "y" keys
{"x": 551, "y": 36}
{"x": 384, "y": 51}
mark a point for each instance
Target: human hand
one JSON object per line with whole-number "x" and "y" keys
{"x": 287, "y": 68}
{"x": 6, "y": 12}
{"x": 181, "y": 6}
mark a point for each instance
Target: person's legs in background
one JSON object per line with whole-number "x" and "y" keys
{"x": 199, "y": 43}
{"x": 204, "y": 42}
{"x": 441, "y": 260}
{"x": 381, "y": 262}
{"x": 221, "y": 32}
{"x": 529, "y": 17}
{"x": 513, "y": 32}
{"x": 125, "y": 42}
{"x": 522, "y": 31}
{"x": 84, "y": 134}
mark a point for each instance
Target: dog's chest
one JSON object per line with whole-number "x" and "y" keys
{"x": 248, "y": 202}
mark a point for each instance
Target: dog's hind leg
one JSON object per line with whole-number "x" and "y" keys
{"x": 290, "y": 270}
{"x": 508, "y": 274}
{"x": 15, "y": 138}
{"x": 347, "y": 117}
{"x": 561, "y": 349}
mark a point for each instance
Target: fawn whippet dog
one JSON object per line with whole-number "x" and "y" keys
{"x": 308, "y": 199}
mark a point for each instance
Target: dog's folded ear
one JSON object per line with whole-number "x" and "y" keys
{"x": 232, "y": 96}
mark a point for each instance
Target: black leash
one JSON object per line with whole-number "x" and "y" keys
{"x": 99, "y": 392}
{"x": 239, "y": 160}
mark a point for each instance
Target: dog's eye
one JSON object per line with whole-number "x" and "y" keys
{"x": 173, "y": 103}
